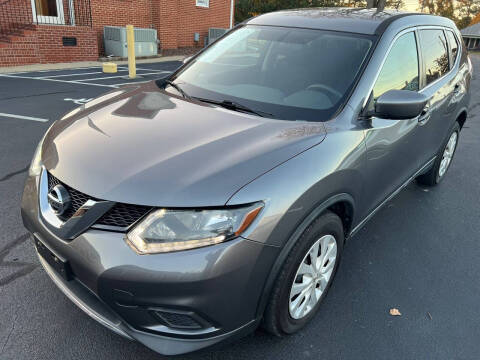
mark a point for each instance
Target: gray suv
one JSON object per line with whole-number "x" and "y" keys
{"x": 192, "y": 209}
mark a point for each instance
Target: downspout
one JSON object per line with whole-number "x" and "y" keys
{"x": 232, "y": 7}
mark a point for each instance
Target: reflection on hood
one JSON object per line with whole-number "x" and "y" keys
{"x": 145, "y": 105}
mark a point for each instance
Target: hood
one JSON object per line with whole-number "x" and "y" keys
{"x": 144, "y": 146}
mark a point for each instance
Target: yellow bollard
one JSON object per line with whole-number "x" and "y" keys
{"x": 132, "y": 70}
{"x": 109, "y": 67}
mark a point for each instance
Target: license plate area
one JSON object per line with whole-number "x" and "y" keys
{"x": 61, "y": 266}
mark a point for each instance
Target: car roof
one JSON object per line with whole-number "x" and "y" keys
{"x": 363, "y": 21}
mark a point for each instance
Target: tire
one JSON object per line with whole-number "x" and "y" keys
{"x": 279, "y": 318}
{"x": 437, "y": 173}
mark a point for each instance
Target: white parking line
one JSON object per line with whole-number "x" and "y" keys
{"x": 121, "y": 76}
{"x": 135, "y": 82}
{"x": 56, "y": 80}
{"x": 52, "y": 70}
{"x": 64, "y": 75}
{"x": 23, "y": 117}
{"x": 141, "y": 69}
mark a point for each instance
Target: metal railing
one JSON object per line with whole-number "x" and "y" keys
{"x": 18, "y": 15}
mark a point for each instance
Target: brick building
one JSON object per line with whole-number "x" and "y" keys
{"x": 49, "y": 31}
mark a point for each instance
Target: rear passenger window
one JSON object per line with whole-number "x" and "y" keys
{"x": 452, "y": 42}
{"x": 400, "y": 70}
{"x": 435, "y": 54}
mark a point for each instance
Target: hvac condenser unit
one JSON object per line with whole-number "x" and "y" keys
{"x": 115, "y": 39}
{"x": 215, "y": 33}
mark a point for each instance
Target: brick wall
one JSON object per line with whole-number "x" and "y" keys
{"x": 51, "y": 49}
{"x": 176, "y": 22}
{"x": 44, "y": 45}
{"x": 14, "y": 11}
{"x": 120, "y": 13}
{"x": 198, "y": 19}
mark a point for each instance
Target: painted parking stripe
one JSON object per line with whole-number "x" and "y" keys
{"x": 121, "y": 76}
{"x": 23, "y": 117}
{"x": 135, "y": 82}
{"x": 66, "y": 75}
{"x": 90, "y": 73}
{"x": 52, "y": 70}
{"x": 56, "y": 80}
{"x": 138, "y": 69}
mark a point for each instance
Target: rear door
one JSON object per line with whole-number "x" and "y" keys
{"x": 441, "y": 85}
{"x": 393, "y": 146}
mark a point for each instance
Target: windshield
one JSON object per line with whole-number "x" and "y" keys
{"x": 288, "y": 73}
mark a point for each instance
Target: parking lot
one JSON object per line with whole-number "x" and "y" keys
{"x": 419, "y": 254}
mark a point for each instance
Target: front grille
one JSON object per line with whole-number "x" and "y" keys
{"x": 123, "y": 215}
{"x": 178, "y": 320}
{"x": 120, "y": 215}
{"x": 77, "y": 198}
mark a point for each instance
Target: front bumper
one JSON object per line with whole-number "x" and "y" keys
{"x": 219, "y": 286}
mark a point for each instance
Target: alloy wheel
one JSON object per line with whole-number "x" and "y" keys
{"x": 448, "y": 154}
{"x": 312, "y": 276}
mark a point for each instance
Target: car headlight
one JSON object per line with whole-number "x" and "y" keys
{"x": 166, "y": 230}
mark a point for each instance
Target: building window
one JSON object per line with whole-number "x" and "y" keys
{"x": 48, "y": 11}
{"x": 203, "y": 3}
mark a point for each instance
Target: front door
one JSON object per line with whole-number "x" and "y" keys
{"x": 48, "y": 12}
{"x": 393, "y": 146}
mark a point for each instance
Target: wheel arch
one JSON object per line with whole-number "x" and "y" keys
{"x": 341, "y": 204}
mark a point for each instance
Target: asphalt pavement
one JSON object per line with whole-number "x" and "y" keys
{"x": 419, "y": 254}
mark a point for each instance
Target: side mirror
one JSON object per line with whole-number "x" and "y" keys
{"x": 187, "y": 59}
{"x": 400, "y": 104}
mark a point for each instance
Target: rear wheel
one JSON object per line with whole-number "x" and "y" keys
{"x": 443, "y": 161}
{"x": 305, "y": 276}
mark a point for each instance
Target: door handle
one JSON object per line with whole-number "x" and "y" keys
{"x": 424, "y": 116}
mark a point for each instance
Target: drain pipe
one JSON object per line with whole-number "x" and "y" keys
{"x": 232, "y": 7}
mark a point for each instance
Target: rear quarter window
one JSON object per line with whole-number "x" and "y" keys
{"x": 453, "y": 43}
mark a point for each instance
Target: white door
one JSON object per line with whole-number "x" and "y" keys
{"x": 48, "y": 12}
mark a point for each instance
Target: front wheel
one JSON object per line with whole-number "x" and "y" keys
{"x": 442, "y": 163}
{"x": 305, "y": 276}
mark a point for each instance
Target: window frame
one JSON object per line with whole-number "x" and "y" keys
{"x": 424, "y": 72}
{"x": 453, "y": 61}
{"x": 422, "y": 79}
{"x": 368, "y": 99}
{"x": 419, "y": 59}
{"x": 50, "y": 20}
{"x": 204, "y": 5}
{"x": 459, "y": 52}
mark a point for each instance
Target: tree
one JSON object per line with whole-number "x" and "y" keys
{"x": 379, "y": 4}
{"x": 466, "y": 9}
{"x": 475, "y": 20}
{"x": 395, "y": 4}
{"x": 444, "y": 8}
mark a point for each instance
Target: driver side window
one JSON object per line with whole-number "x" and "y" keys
{"x": 400, "y": 69}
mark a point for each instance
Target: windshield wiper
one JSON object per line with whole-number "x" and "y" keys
{"x": 178, "y": 88}
{"x": 231, "y": 105}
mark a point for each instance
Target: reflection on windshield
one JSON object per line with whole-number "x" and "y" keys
{"x": 295, "y": 74}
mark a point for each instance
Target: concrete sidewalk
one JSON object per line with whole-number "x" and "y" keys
{"x": 82, "y": 64}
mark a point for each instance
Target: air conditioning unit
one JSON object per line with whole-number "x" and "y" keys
{"x": 215, "y": 33}
{"x": 115, "y": 40}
